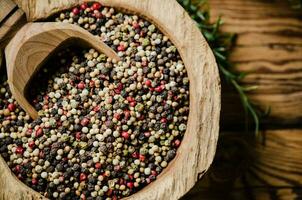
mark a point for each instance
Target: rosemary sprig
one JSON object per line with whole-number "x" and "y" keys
{"x": 296, "y": 4}
{"x": 221, "y": 44}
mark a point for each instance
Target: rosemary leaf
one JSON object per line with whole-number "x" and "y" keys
{"x": 221, "y": 44}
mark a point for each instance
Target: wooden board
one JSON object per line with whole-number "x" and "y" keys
{"x": 7, "y": 6}
{"x": 8, "y": 29}
{"x": 199, "y": 144}
{"x": 269, "y": 48}
{"x": 265, "y": 193}
{"x": 259, "y": 169}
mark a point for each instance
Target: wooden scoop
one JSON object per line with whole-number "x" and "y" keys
{"x": 31, "y": 46}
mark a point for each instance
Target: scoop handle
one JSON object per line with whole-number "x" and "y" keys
{"x": 31, "y": 46}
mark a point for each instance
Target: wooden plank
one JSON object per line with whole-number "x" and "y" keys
{"x": 269, "y": 48}
{"x": 7, "y": 6}
{"x": 8, "y": 30}
{"x": 10, "y": 26}
{"x": 266, "y": 193}
{"x": 242, "y": 166}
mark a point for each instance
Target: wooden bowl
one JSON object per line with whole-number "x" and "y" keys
{"x": 197, "y": 150}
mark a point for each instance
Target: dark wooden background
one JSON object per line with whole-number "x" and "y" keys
{"x": 269, "y": 49}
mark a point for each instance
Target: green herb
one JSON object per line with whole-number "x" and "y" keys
{"x": 296, "y": 4}
{"x": 221, "y": 44}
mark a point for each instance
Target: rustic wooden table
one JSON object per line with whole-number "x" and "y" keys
{"x": 269, "y": 48}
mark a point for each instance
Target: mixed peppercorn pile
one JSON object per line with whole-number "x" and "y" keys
{"x": 105, "y": 129}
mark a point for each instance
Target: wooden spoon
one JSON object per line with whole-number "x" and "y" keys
{"x": 32, "y": 45}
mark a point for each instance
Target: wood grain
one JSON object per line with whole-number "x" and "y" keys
{"x": 8, "y": 29}
{"x": 34, "y": 44}
{"x": 7, "y": 6}
{"x": 244, "y": 168}
{"x": 263, "y": 193}
{"x": 10, "y": 26}
{"x": 199, "y": 144}
{"x": 269, "y": 49}
{"x": 11, "y": 19}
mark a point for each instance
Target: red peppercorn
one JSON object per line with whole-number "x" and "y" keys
{"x": 142, "y": 157}
{"x": 130, "y": 99}
{"x": 17, "y": 168}
{"x": 159, "y": 88}
{"x": 34, "y": 181}
{"x": 83, "y": 197}
{"x": 96, "y": 6}
{"x": 41, "y": 154}
{"x": 83, "y": 177}
{"x": 127, "y": 114}
{"x": 84, "y": 6}
{"x": 177, "y": 143}
{"x": 97, "y": 14}
{"x": 96, "y": 109}
{"x": 135, "y": 155}
{"x": 148, "y": 180}
{"x": 135, "y": 25}
{"x": 132, "y": 104}
{"x": 39, "y": 132}
{"x": 121, "y": 48}
{"x": 148, "y": 83}
{"x": 11, "y": 107}
{"x": 144, "y": 63}
{"x": 81, "y": 85}
{"x": 125, "y": 135}
{"x": 91, "y": 84}
{"x": 78, "y": 135}
{"x": 130, "y": 185}
{"x": 85, "y": 121}
{"x": 110, "y": 100}
{"x": 163, "y": 120}
{"x": 31, "y": 144}
{"x": 130, "y": 176}
{"x": 117, "y": 168}
{"x": 98, "y": 165}
{"x": 141, "y": 117}
{"x": 154, "y": 173}
{"x": 75, "y": 11}
{"x": 142, "y": 33}
{"x": 147, "y": 134}
{"x": 120, "y": 86}
{"x": 117, "y": 116}
{"x": 114, "y": 198}
{"x": 29, "y": 132}
{"x": 19, "y": 150}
